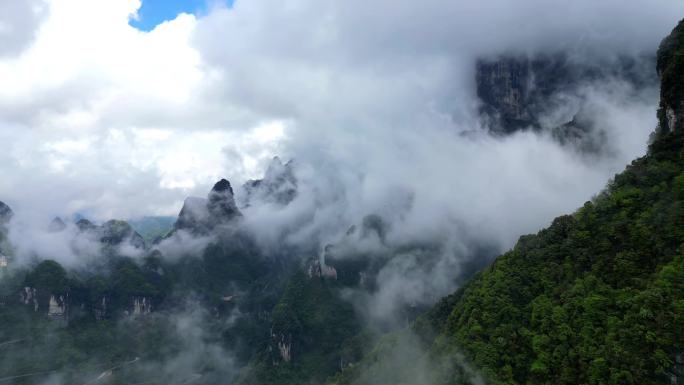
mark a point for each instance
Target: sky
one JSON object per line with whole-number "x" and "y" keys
{"x": 122, "y": 108}
{"x": 154, "y": 12}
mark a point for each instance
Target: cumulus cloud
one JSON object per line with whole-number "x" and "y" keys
{"x": 119, "y": 121}
{"x": 19, "y": 21}
{"x": 375, "y": 101}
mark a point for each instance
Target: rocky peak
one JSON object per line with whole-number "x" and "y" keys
{"x": 6, "y": 213}
{"x": 221, "y": 186}
{"x": 116, "y": 232}
{"x": 520, "y": 92}
{"x": 279, "y": 185}
{"x": 222, "y": 207}
{"x": 57, "y": 225}
{"x": 193, "y": 213}
{"x": 200, "y": 215}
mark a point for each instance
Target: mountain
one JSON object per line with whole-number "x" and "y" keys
{"x": 129, "y": 315}
{"x": 278, "y": 186}
{"x": 596, "y": 298}
{"x": 202, "y": 216}
{"x": 549, "y": 92}
{"x": 57, "y": 225}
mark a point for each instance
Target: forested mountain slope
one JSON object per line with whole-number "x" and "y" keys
{"x": 596, "y": 298}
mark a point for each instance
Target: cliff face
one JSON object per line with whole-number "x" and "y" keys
{"x": 517, "y": 92}
{"x": 510, "y": 88}
{"x": 671, "y": 70}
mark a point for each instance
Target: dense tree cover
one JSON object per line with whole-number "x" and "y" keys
{"x": 311, "y": 320}
{"x": 100, "y": 330}
{"x": 596, "y": 298}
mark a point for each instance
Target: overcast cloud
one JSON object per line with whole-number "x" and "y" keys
{"x": 371, "y": 98}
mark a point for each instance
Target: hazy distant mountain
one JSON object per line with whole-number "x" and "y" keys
{"x": 152, "y": 228}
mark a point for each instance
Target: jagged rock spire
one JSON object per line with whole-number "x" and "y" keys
{"x": 279, "y": 185}
{"x": 200, "y": 215}
{"x": 222, "y": 185}
{"x": 222, "y": 207}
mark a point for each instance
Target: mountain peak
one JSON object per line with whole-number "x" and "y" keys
{"x": 222, "y": 207}
{"x": 223, "y": 185}
{"x": 57, "y": 225}
{"x": 201, "y": 215}
{"x": 279, "y": 185}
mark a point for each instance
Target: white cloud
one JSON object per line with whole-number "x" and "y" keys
{"x": 374, "y": 100}
{"x": 118, "y": 122}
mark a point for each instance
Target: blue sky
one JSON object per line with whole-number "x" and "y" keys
{"x": 154, "y": 12}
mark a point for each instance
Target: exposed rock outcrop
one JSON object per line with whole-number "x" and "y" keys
{"x": 278, "y": 186}
{"x": 100, "y": 309}
{"x": 222, "y": 208}
{"x": 283, "y": 345}
{"x": 318, "y": 270}
{"x": 141, "y": 306}
{"x": 518, "y": 92}
{"x": 201, "y": 216}
{"x": 28, "y": 297}
{"x": 57, "y": 307}
{"x": 671, "y": 71}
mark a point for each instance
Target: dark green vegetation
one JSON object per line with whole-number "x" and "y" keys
{"x": 78, "y": 324}
{"x": 596, "y": 298}
{"x": 308, "y": 324}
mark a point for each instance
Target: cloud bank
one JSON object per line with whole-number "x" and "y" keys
{"x": 371, "y": 99}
